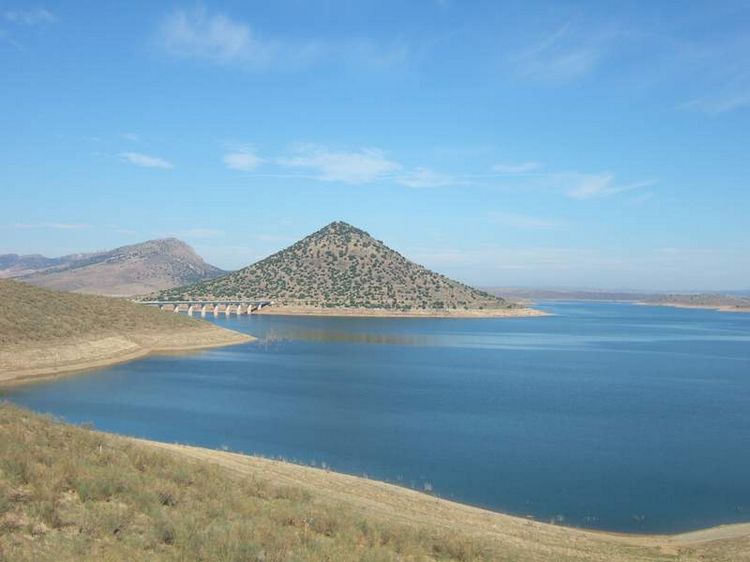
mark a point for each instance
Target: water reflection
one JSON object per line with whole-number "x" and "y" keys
{"x": 334, "y": 336}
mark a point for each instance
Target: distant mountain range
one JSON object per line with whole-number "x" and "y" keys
{"x": 127, "y": 271}
{"x": 341, "y": 266}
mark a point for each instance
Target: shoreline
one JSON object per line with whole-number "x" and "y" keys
{"x": 378, "y": 498}
{"x": 88, "y": 354}
{"x": 281, "y": 310}
{"x": 717, "y": 308}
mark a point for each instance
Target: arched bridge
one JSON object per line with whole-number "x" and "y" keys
{"x": 214, "y": 307}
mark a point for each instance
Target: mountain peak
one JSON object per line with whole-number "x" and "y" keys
{"x": 339, "y": 228}
{"x": 341, "y": 266}
{"x": 125, "y": 271}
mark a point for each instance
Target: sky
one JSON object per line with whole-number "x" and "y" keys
{"x": 507, "y": 144}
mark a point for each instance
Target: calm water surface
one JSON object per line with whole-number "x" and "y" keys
{"x": 610, "y": 416}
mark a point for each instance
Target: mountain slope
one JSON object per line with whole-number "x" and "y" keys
{"x": 126, "y": 271}
{"x": 341, "y": 266}
{"x": 13, "y": 265}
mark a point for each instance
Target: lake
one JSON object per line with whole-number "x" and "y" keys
{"x": 609, "y": 416}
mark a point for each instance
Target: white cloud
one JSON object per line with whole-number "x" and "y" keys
{"x": 244, "y": 159}
{"x": 360, "y": 167}
{"x": 723, "y": 67}
{"x": 588, "y": 186}
{"x": 131, "y": 137}
{"x": 578, "y": 185}
{"x": 718, "y": 104}
{"x": 517, "y": 168}
{"x": 213, "y": 37}
{"x": 36, "y": 16}
{"x": 145, "y": 161}
{"x": 220, "y": 39}
{"x": 424, "y": 177}
{"x": 570, "y": 52}
{"x": 520, "y": 221}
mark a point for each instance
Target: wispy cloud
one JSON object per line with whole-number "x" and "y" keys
{"x": 145, "y": 161}
{"x": 214, "y": 37}
{"x": 220, "y": 39}
{"x": 570, "y": 51}
{"x": 517, "y": 168}
{"x": 719, "y": 104}
{"x": 721, "y": 63}
{"x": 51, "y": 226}
{"x": 243, "y": 159}
{"x": 520, "y": 221}
{"x": 35, "y": 16}
{"x": 4, "y": 37}
{"x": 424, "y": 177}
{"x": 578, "y": 185}
{"x": 353, "y": 167}
{"x": 131, "y": 137}
{"x": 589, "y": 186}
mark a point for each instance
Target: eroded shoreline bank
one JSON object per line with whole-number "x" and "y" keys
{"x": 24, "y": 364}
{"x": 282, "y": 310}
{"x": 389, "y": 501}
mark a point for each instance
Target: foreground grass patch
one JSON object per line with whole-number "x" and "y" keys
{"x": 69, "y": 493}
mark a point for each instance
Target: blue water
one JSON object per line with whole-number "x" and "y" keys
{"x": 608, "y": 416}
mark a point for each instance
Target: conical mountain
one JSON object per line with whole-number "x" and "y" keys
{"x": 341, "y": 266}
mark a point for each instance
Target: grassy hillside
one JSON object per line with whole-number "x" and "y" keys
{"x": 342, "y": 266}
{"x": 126, "y": 271}
{"x": 45, "y": 332}
{"x": 31, "y": 314}
{"x": 69, "y": 493}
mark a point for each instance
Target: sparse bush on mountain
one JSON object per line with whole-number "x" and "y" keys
{"x": 342, "y": 266}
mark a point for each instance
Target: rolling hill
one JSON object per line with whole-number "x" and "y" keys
{"x": 45, "y": 332}
{"x": 341, "y": 266}
{"x": 126, "y": 271}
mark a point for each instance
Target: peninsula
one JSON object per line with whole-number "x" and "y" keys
{"x": 341, "y": 270}
{"x": 45, "y": 333}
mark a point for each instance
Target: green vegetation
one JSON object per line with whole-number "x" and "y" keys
{"x": 32, "y": 315}
{"x": 342, "y": 266}
{"x": 69, "y": 493}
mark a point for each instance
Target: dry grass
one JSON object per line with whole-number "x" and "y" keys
{"x": 44, "y": 333}
{"x": 30, "y": 314}
{"x": 70, "y": 493}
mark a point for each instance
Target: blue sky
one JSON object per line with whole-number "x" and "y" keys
{"x": 545, "y": 144}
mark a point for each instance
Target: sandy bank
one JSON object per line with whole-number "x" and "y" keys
{"x": 520, "y": 538}
{"x": 719, "y": 308}
{"x": 24, "y": 363}
{"x": 282, "y": 310}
